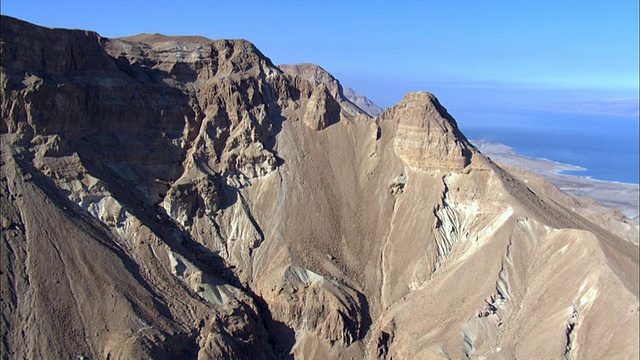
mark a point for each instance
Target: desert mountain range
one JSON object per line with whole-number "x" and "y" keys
{"x": 348, "y": 97}
{"x": 180, "y": 197}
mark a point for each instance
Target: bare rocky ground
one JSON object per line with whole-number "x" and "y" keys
{"x": 180, "y": 197}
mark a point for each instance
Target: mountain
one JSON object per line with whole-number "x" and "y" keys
{"x": 180, "y": 197}
{"x": 318, "y": 76}
{"x": 363, "y": 102}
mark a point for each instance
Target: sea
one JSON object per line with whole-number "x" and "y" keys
{"x": 605, "y": 146}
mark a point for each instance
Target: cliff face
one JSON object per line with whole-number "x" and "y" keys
{"x": 182, "y": 197}
{"x": 350, "y": 100}
{"x": 317, "y": 76}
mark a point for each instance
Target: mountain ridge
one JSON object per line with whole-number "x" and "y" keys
{"x": 363, "y": 102}
{"x": 316, "y": 75}
{"x": 168, "y": 196}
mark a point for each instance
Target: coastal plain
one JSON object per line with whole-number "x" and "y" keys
{"x": 617, "y": 195}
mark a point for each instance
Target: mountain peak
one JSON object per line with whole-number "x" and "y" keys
{"x": 316, "y": 75}
{"x": 427, "y": 136}
{"x": 178, "y": 196}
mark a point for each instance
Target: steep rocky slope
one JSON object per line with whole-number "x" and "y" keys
{"x": 318, "y": 76}
{"x": 353, "y": 102}
{"x": 363, "y": 102}
{"x": 183, "y": 197}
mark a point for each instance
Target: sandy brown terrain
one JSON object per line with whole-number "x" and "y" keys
{"x": 178, "y": 197}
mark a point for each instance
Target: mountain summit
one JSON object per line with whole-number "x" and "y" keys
{"x": 180, "y": 197}
{"x": 317, "y": 75}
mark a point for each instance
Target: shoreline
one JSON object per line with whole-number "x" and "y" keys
{"x": 618, "y": 195}
{"x": 589, "y": 178}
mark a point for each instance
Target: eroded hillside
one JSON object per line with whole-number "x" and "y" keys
{"x": 183, "y": 197}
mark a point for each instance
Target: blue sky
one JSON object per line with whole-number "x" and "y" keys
{"x": 470, "y": 54}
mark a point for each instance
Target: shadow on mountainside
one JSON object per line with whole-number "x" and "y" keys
{"x": 110, "y": 111}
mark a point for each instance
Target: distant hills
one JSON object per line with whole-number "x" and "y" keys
{"x": 362, "y": 102}
{"x": 176, "y": 197}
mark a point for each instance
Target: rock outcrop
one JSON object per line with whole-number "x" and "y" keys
{"x": 427, "y": 137}
{"x": 317, "y": 76}
{"x": 180, "y": 197}
{"x": 322, "y": 109}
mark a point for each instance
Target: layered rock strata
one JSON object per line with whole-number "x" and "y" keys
{"x": 170, "y": 197}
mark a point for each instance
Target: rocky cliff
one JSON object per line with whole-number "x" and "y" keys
{"x": 318, "y": 76}
{"x": 350, "y": 100}
{"x": 183, "y": 197}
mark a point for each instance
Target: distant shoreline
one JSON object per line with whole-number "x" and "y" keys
{"x": 619, "y": 195}
{"x": 559, "y": 172}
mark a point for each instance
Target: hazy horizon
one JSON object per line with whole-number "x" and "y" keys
{"x": 500, "y": 54}
{"x": 491, "y": 65}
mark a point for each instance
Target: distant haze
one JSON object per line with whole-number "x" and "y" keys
{"x": 509, "y": 53}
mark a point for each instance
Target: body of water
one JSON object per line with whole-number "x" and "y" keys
{"x": 605, "y": 146}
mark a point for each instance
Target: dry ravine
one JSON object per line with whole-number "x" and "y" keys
{"x": 179, "y": 197}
